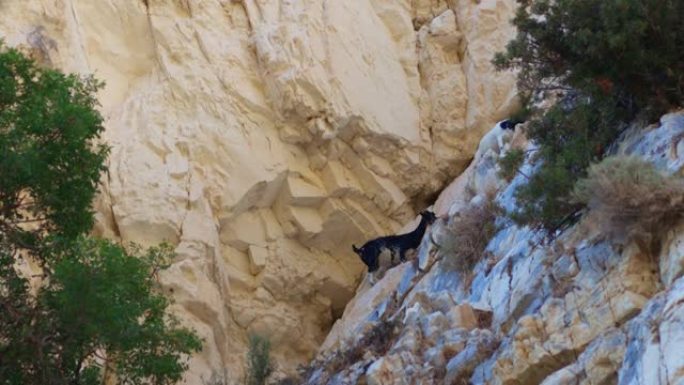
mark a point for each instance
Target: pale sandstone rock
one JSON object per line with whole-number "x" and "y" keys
{"x": 451, "y": 342}
{"x": 462, "y": 316}
{"x": 258, "y": 256}
{"x": 565, "y": 326}
{"x": 597, "y": 365}
{"x": 671, "y": 259}
{"x": 395, "y": 369}
{"x": 235, "y": 125}
{"x": 425, "y": 10}
{"x": 410, "y": 341}
{"x": 480, "y": 345}
{"x": 661, "y": 144}
{"x": 481, "y": 176}
{"x": 654, "y": 341}
{"x": 433, "y": 325}
{"x": 367, "y": 298}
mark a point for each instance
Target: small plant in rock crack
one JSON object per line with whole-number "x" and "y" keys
{"x": 377, "y": 340}
{"x": 259, "y": 364}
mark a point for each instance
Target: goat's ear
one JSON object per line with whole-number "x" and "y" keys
{"x": 356, "y": 250}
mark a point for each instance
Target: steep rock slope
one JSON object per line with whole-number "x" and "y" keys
{"x": 582, "y": 309}
{"x": 262, "y": 138}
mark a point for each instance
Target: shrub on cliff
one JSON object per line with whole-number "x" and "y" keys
{"x": 259, "y": 365}
{"x": 93, "y": 308}
{"x": 628, "y": 196}
{"x": 608, "y": 61}
{"x": 467, "y": 236}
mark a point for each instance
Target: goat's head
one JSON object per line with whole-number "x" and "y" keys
{"x": 429, "y": 216}
{"x": 368, "y": 257}
{"x": 509, "y": 124}
{"x": 357, "y": 250}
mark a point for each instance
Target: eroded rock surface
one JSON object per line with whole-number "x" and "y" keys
{"x": 581, "y": 309}
{"x": 262, "y": 138}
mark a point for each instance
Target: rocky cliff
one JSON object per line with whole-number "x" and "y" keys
{"x": 262, "y": 138}
{"x": 583, "y": 308}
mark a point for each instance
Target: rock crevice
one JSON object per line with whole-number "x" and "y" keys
{"x": 262, "y": 138}
{"x": 582, "y": 308}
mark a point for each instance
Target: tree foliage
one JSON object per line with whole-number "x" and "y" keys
{"x": 569, "y": 139}
{"x": 510, "y": 163}
{"x": 607, "y": 62}
{"x": 50, "y": 164}
{"x": 94, "y": 307}
{"x": 629, "y": 49}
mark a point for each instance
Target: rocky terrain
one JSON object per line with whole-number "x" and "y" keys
{"x": 583, "y": 308}
{"x": 262, "y": 138}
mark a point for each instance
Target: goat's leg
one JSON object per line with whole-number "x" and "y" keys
{"x": 402, "y": 255}
{"x": 393, "y": 255}
{"x": 500, "y": 142}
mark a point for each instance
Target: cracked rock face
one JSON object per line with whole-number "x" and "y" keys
{"x": 262, "y": 138}
{"x": 578, "y": 310}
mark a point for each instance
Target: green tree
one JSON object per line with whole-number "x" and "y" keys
{"x": 50, "y": 164}
{"x": 95, "y": 305}
{"x": 627, "y": 49}
{"x": 569, "y": 140}
{"x": 611, "y": 62}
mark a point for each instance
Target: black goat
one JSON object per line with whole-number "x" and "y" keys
{"x": 396, "y": 244}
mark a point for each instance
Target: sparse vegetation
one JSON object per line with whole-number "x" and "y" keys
{"x": 375, "y": 341}
{"x": 627, "y": 195}
{"x": 378, "y": 339}
{"x": 608, "y": 62}
{"x": 468, "y": 234}
{"x": 569, "y": 139}
{"x": 259, "y": 365}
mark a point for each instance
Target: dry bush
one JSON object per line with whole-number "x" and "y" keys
{"x": 629, "y": 197}
{"x": 378, "y": 340}
{"x": 468, "y": 233}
